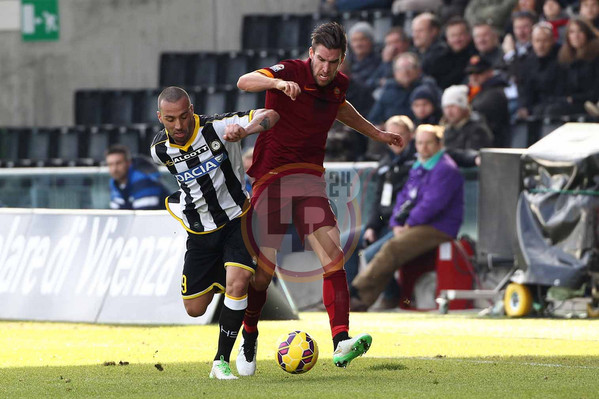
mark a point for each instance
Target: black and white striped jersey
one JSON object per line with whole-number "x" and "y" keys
{"x": 209, "y": 171}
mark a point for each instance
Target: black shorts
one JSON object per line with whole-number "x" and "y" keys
{"x": 207, "y": 257}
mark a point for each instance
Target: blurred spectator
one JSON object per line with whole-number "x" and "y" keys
{"x": 401, "y": 6}
{"x": 247, "y": 158}
{"x": 515, "y": 49}
{"x": 333, "y": 6}
{"x": 555, "y": 14}
{"x": 589, "y": 11}
{"x": 424, "y": 102}
{"x": 428, "y": 211}
{"x": 486, "y": 42}
{"x": 395, "y": 96}
{"x": 538, "y": 84}
{"x": 452, "y": 8}
{"x": 392, "y": 173}
{"x": 134, "y": 183}
{"x": 493, "y": 12}
{"x": 465, "y": 131}
{"x": 487, "y": 97}
{"x": 362, "y": 58}
{"x": 426, "y": 30}
{"x": 453, "y": 58}
{"x": 396, "y": 42}
{"x": 579, "y": 78}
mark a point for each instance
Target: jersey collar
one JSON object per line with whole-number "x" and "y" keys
{"x": 196, "y": 129}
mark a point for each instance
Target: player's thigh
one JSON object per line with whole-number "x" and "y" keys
{"x": 196, "y": 307}
{"x": 203, "y": 272}
{"x": 237, "y": 259}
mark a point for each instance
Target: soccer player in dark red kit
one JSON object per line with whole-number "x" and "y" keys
{"x": 289, "y": 180}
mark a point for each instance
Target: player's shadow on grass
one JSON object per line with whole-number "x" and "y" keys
{"x": 388, "y": 366}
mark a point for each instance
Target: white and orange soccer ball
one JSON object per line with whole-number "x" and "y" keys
{"x": 296, "y": 352}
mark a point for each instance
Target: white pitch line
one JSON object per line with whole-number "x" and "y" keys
{"x": 490, "y": 362}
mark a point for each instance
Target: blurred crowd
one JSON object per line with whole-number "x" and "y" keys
{"x": 476, "y": 67}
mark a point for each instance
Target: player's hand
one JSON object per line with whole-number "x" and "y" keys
{"x": 234, "y": 133}
{"x": 392, "y": 139}
{"x": 398, "y": 230}
{"x": 292, "y": 89}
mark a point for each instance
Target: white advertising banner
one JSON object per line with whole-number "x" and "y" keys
{"x": 93, "y": 266}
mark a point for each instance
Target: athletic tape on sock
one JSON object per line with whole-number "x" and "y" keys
{"x": 236, "y": 303}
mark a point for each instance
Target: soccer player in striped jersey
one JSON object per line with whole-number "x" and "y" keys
{"x": 204, "y": 154}
{"x": 308, "y": 95}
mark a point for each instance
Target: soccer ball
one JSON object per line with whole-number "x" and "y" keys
{"x": 297, "y": 352}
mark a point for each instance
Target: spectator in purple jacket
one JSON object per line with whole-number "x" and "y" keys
{"x": 428, "y": 211}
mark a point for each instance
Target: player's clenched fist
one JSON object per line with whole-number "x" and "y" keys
{"x": 393, "y": 139}
{"x": 292, "y": 89}
{"x": 234, "y": 133}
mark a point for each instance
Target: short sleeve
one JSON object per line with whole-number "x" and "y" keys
{"x": 285, "y": 70}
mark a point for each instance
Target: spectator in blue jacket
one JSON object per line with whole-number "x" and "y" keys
{"x": 395, "y": 95}
{"x": 428, "y": 211}
{"x": 134, "y": 184}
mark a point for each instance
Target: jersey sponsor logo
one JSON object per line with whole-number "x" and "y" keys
{"x": 277, "y": 68}
{"x": 187, "y": 157}
{"x": 309, "y": 88}
{"x": 201, "y": 169}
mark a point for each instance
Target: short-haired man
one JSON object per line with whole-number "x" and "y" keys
{"x": 486, "y": 42}
{"x": 133, "y": 185}
{"x": 449, "y": 67}
{"x": 309, "y": 95}
{"x": 204, "y": 154}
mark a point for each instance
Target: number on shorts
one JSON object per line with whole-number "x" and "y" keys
{"x": 184, "y": 284}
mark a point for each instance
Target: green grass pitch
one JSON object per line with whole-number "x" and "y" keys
{"x": 414, "y": 355}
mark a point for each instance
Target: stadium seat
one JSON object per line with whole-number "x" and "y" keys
{"x": 173, "y": 69}
{"x": 12, "y": 141}
{"x": 203, "y": 69}
{"x": 132, "y": 136}
{"x": 267, "y": 58}
{"x": 99, "y": 139}
{"x": 71, "y": 146}
{"x": 147, "y": 105}
{"x": 256, "y": 32}
{"x": 291, "y": 32}
{"x": 235, "y": 64}
{"x": 217, "y": 101}
{"x": 88, "y": 107}
{"x": 40, "y": 147}
{"x": 245, "y": 101}
{"x": 118, "y": 107}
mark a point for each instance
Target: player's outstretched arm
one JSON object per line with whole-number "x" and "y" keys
{"x": 263, "y": 120}
{"x": 348, "y": 115}
{"x": 255, "y": 82}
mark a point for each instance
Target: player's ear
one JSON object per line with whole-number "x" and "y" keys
{"x": 311, "y": 52}
{"x": 159, "y": 116}
{"x": 191, "y": 108}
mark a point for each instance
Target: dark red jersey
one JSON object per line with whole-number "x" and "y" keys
{"x": 301, "y": 133}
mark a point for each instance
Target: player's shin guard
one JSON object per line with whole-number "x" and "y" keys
{"x": 229, "y": 322}
{"x": 335, "y": 296}
{"x": 256, "y": 301}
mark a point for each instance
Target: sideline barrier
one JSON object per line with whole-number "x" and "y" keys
{"x": 92, "y": 266}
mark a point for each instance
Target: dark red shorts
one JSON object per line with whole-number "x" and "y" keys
{"x": 298, "y": 200}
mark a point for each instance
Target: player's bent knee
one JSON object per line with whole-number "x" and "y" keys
{"x": 195, "y": 309}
